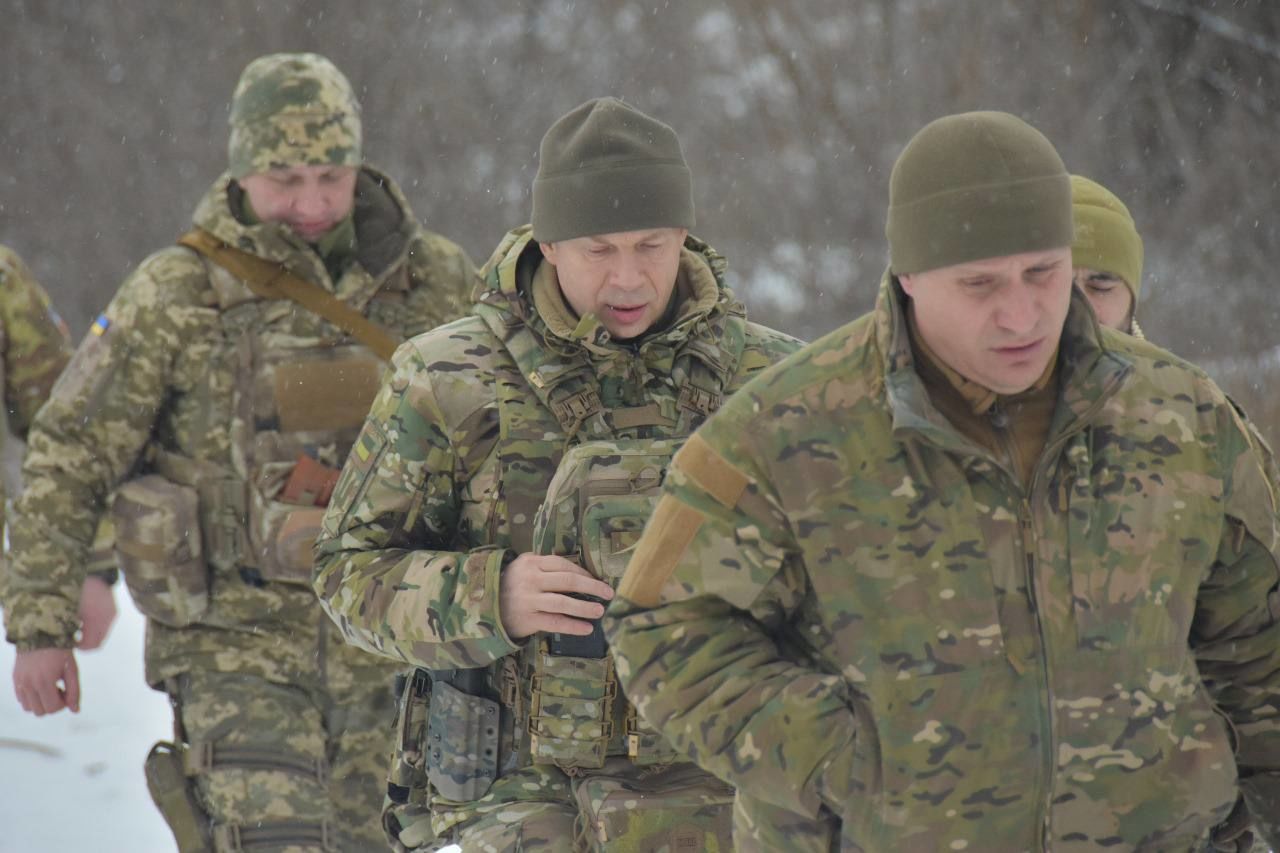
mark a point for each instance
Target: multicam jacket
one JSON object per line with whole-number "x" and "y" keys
{"x": 34, "y": 346}
{"x": 161, "y": 378}
{"x": 862, "y": 620}
{"x": 459, "y": 450}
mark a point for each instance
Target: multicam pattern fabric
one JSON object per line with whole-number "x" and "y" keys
{"x": 157, "y": 383}
{"x": 34, "y": 347}
{"x": 293, "y": 109}
{"x": 445, "y": 481}
{"x": 861, "y": 620}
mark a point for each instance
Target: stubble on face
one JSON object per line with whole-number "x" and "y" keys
{"x": 997, "y": 321}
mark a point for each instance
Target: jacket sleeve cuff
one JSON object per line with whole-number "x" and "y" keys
{"x": 40, "y": 622}
{"x": 35, "y": 642}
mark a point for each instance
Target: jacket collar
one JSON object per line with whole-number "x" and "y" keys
{"x": 516, "y": 282}
{"x": 1089, "y": 372}
{"x": 384, "y": 226}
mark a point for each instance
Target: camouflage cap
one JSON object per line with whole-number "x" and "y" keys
{"x": 293, "y": 109}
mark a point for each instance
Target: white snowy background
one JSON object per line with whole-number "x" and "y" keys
{"x": 74, "y": 781}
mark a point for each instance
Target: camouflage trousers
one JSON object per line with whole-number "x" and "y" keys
{"x": 620, "y": 808}
{"x": 284, "y": 768}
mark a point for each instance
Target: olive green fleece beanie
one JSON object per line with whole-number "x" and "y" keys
{"x": 1106, "y": 238}
{"x": 972, "y": 186}
{"x": 605, "y": 167}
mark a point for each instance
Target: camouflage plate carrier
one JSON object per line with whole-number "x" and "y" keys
{"x": 559, "y": 702}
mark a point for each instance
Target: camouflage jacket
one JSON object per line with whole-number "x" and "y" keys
{"x": 34, "y": 347}
{"x": 156, "y": 376}
{"x": 861, "y": 620}
{"x": 419, "y": 526}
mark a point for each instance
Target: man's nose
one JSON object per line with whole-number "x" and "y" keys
{"x": 311, "y": 202}
{"x": 628, "y": 273}
{"x": 1019, "y": 309}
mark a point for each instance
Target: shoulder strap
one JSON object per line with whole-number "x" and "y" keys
{"x": 271, "y": 280}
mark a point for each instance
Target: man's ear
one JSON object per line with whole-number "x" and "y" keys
{"x": 548, "y": 252}
{"x": 908, "y": 284}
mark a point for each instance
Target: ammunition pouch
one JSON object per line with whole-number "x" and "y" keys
{"x": 462, "y": 737}
{"x": 159, "y": 548}
{"x": 406, "y": 814}
{"x": 679, "y": 808}
{"x": 408, "y": 760}
{"x": 571, "y": 709}
{"x": 172, "y": 793}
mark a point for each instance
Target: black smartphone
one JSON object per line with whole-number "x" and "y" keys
{"x": 592, "y": 645}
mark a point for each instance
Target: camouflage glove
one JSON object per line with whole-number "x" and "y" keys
{"x": 1262, "y": 794}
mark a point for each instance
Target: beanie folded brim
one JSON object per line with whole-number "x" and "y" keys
{"x": 1106, "y": 241}
{"x": 612, "y": 200}
{"x": 973, "y": 223}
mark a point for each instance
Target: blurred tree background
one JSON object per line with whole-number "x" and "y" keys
{"x": 791, "y": 112}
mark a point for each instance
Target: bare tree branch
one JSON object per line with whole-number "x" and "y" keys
{"x": 1215, "y": 24}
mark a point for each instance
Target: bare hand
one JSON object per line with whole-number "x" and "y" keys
{"x": 36, "y": 677}
{"x": 97, "y": 612}
{"x": 532, "y": 597}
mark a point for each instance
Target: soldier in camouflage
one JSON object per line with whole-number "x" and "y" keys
{"x": 1106, "y": 254}
{"x": 504, "y": 472}
{"x": 34, "y": 348}
{"x": 970, "y": 573}
{"x": 217, "y": 394}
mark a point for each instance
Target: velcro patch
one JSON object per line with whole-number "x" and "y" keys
{"x": 706, "y": 467}
{"x": 666, "y": 538}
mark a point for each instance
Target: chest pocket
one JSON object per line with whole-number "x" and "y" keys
{"x": 599, "y": 500}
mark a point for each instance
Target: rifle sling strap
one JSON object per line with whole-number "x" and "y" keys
{"x": 271, "y": 280}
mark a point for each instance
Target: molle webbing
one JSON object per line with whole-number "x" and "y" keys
{"x": 277, "y": 835}
{"x": 550, "y": 404}
{"x": 272, "y": 280}
{"x": 199, "y": 758}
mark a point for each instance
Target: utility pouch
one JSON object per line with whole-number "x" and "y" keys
{"x": 680, "y": 808}
{"x": 159, "y": 550}
{"x": 462, "y": 743}
{"x": 408, "y": 760}
{"x": 571, "y": 709}
{"x": 285, "y": 530}
{"x": 171, "y": 791}
{"x": 293, "y": 546}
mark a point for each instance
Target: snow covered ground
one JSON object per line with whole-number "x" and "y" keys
{"x": 74, "y": 781}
